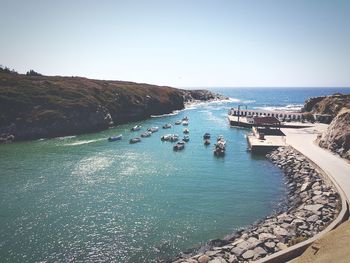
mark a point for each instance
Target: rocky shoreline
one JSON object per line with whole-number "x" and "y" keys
{"x": 312, "y": 204}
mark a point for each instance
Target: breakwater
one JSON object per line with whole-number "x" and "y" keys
{"x": 312, "y": 204}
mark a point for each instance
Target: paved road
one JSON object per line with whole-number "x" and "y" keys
{"x": 303, "y": 141}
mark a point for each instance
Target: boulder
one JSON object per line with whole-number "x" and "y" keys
{"x": 218, "y": 260}
{"x": 248, "y": 254}
{"x": 203, "y": 259}
{"x": 279, "y": 231}
{"x": 313, "y": 208}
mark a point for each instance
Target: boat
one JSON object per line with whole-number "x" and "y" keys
{"x": 153, "y": 129}
{"x": 220, "y": 138}
{"x": 146, "y": 134}
{"x": 174, "y": 138}
{"x": 115, "y": 138}
{"x": 206, "y": 136}
{"x": 167, "y": 126}
{"x": 220, "y": 147}
{"x": 136, "y": 128}
{"x": 178, "y": 122}
{"x": 206, "y": 142}
{"x": 185, "y": 123}
{"x": 165, "y": 137}
{"x": 186, "y": 138}
{"x": 185, "y": 118}
{"x": 179, "y": 146}
{"x": 135, "y": 140}
{"x": 186, "y": 131}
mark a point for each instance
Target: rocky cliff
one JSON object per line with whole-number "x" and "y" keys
{"x": 337, "y": 136}
{"x": 327, "y": 104}
{"x": 34, "y": 107}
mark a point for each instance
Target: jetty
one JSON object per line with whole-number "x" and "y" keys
{"x": 266, "y": 127}
{"x": 251, "y": 118}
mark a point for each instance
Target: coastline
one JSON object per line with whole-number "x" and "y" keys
{"x": 309, "y": 197}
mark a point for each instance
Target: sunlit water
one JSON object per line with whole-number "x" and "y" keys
{"x": 83, "y": 199}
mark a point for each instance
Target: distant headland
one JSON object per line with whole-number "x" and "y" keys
{"x": 34, "y": 106}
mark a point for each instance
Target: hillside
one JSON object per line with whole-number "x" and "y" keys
{"x": 34, "y": 107}
{"x": 337, "y": 136}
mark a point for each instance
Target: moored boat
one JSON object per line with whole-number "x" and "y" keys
{"x": 206, "y": 142}
{"x": 146, "y": 134}
{"x": 206, "y": 135}
{"x": 185, "y": 123}
{"x": 153, "y": 129}
{"x": 185, "y": 118}
{"x": 136, "y": 128}
{"x": 220, "y": 147}
{"x": 167, "y": 126}
{"x": 174, "y": 138}
{"x": 179, "y": 146}
{"x": 178, "y": 122}
{"x": 186, "y": 131}
{"x": 186, "y": 138}
{"x": 115, "y": 138}
{"x": 135, "y": 140}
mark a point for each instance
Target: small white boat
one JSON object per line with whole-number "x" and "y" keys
{"x": 153, "y": 129}
{"x": 134, "y": 140}
{"x": 136, "y": 128}
{"x": 167, "y": 126}
{"x": 185, "y": 118}
{"x": 178, "y": 122}
{"x": 185, "y": 123}
{"x": 206, "y": 142}
{"x": 146, "y": 134}
{"x": 166, "y": 137}
{"x": 186, "y": 131}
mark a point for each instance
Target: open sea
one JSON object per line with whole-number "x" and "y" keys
{"x": 84, "y": 199}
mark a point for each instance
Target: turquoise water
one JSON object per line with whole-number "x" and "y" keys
{"x": 83, "y": 199}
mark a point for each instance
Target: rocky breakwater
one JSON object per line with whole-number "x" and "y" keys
{"x": 312, "y": 204}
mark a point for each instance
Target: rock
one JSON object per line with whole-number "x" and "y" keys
{"x": 237, "y": 251}
{"x": 218, "y": 260}
{"x": 306, "y": 186}
{"x": 245, "y": 245}
{"x": 211, "y": 253}
{"x": 248, "y": 254}
{"x": 281, "y": 246}
{"x": 279, "y": 231}
{"x": 270, "y": 245}
{"x": 259, "y": 252}
{"x": 232, "y": 259}
{"x": 313, "y": 208}
{"x": 266, "y": 236}
{"x": 203, "y": 259}
{"x": 312, "y": 218}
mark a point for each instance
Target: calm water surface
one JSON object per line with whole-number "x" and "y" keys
{"x": 83, "y": 199}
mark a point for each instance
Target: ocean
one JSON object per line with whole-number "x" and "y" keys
{"x": 84, "y": 199}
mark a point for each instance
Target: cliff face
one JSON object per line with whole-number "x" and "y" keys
{"x": 337, "y": 136}
{"x": 34, "y": 107}
{"x": 327, "y": 104}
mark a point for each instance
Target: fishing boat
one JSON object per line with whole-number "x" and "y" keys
{"x": 206, "y": 142}
{"x": 179, "y": 146}
{"x": 220, "y": 147}
{"x": 153, "y": 129}
{"x": 167, "y": 126}
{"x": 186, "y": 131}
{"x": 115, "y": 138}
{"x": 146, "y": 134}
{"x": 136, "y": 128}
{"x": 134, "y": 140}
{"x": 185, "y": 123}
{"x": 206, "y": 136}
{"x": 178, "y": 122}
{"x": 186, "y": 138}
{"x": 174, "y": 138}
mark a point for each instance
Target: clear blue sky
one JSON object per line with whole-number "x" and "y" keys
{"x": 181, "y": 43}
